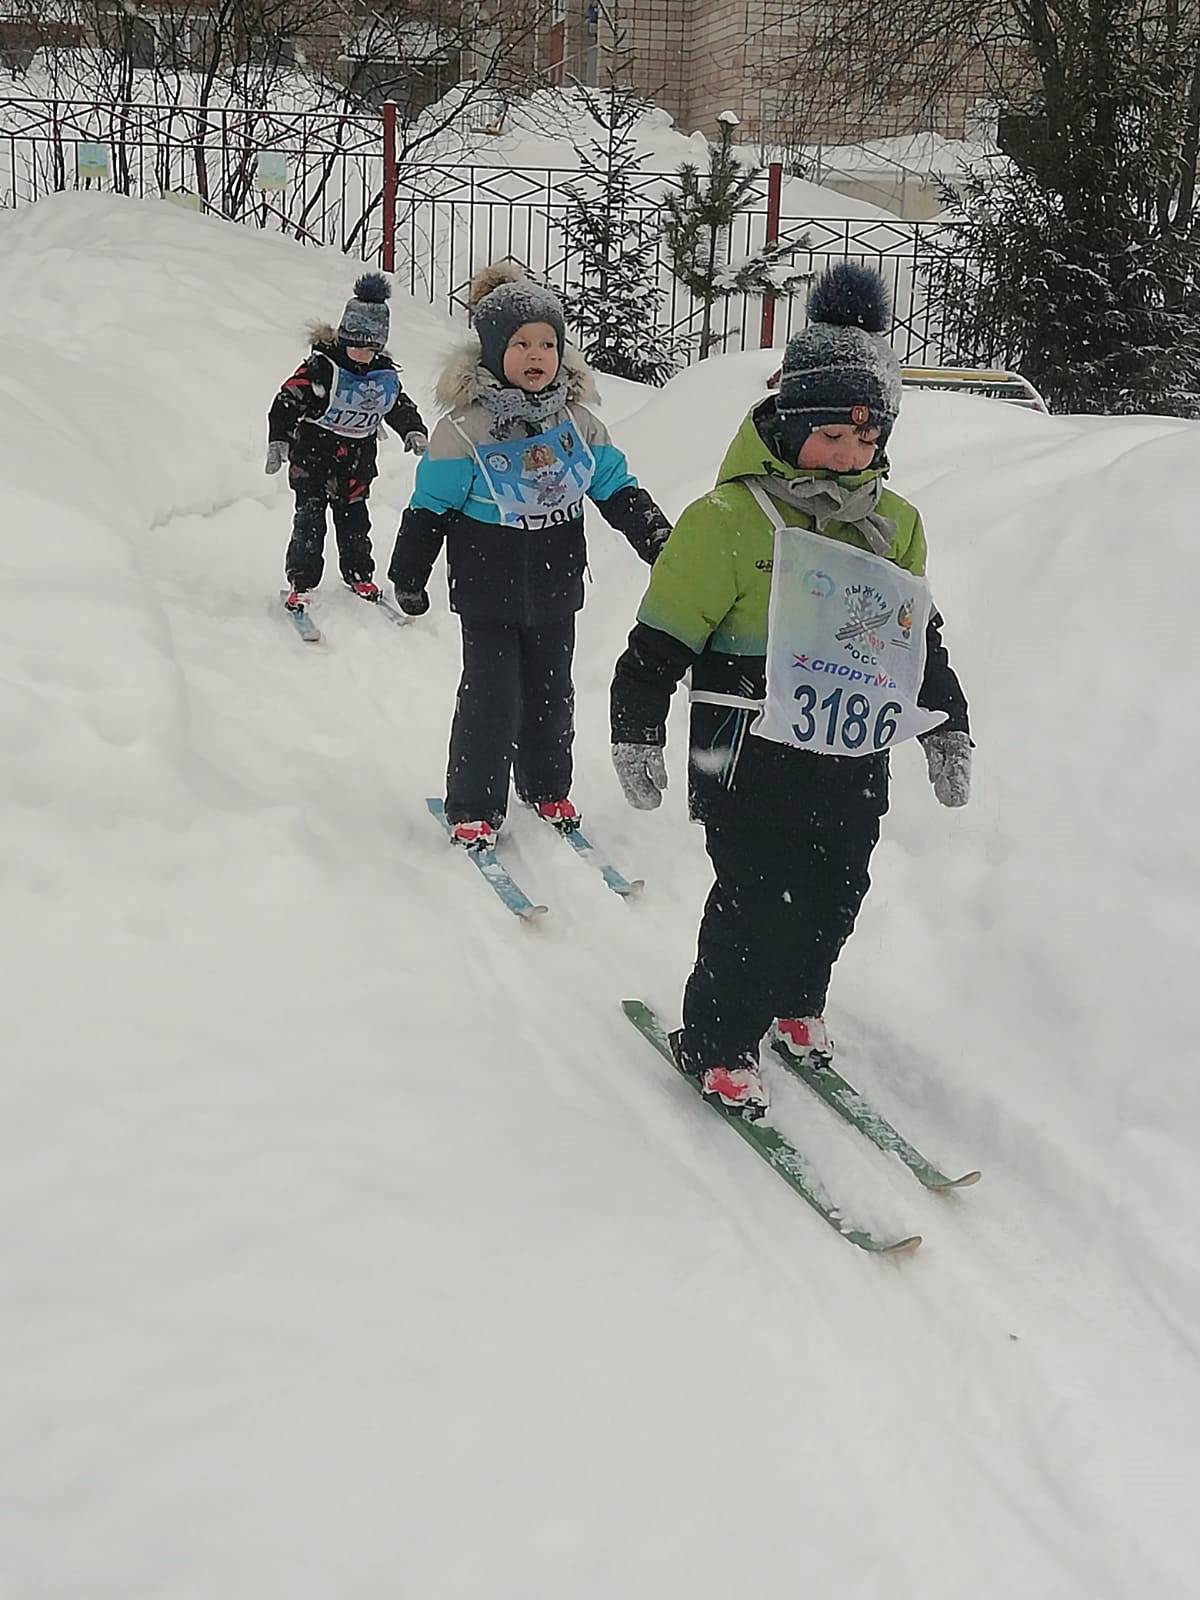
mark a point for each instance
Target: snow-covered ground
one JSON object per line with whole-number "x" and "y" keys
{"x": 354, "y": 1245}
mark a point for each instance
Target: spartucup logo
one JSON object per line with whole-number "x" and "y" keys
{"x": 904, "y": 621}
{"x": 820, "y": 584}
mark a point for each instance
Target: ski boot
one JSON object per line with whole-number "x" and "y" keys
{"x": 560, "y": 814}
{"x": 473, "y": 835}
{"x": 805, "y": 1039}
{"x": 297, "y": 599}
{"x": 366, "y": 589}
{"x": 739, "y": 1091}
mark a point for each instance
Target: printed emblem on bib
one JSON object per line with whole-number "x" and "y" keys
{"x": 359, "y": 402}
{"x": 862, "y": 637}
{"x": 538, "y": 482}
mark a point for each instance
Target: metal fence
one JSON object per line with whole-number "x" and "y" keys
{"x": 316, "y": 176}
{"x": 341, "y": 181}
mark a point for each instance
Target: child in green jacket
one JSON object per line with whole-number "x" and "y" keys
{"x": 795, "y": 593}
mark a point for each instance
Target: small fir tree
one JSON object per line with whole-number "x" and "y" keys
{"x": 700, "y": 215}
{"x": 613, "y": 297}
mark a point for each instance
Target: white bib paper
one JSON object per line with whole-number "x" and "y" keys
{"x": 845, "y": 647}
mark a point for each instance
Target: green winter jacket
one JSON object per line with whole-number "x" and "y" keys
{"x": 712, "y": 582}
{"x": 706, "y": 612}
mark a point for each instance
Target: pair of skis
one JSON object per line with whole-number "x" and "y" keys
{"x": 510, "y": 893}
{"x": 791, "y": 1165}
{"x": 311, "y": 634}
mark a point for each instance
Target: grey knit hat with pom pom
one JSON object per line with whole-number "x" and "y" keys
{"x": 502, "y": 300}
{"x": 365, "y": 321}
{"x": 840, "y": 368}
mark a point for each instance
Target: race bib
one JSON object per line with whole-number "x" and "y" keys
{"x": 359, "y": 402}
{"x": 538, "y": 482}
{"x": 845, "y": 647}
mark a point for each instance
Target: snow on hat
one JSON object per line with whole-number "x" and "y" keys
{"x": 365, "y": 320}
{"x": 503, "y": 299}
{"x": 840, "y": 368}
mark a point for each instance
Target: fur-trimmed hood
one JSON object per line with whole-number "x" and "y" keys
{"x": 464, "y": 378}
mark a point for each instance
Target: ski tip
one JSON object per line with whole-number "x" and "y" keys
{"x": 902, "y": 1247}
{"x": 967, "y": 1180}
{"x": 533, "y": 913}
{"x": 630, "y": 891}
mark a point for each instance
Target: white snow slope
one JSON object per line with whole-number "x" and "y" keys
{"x": 354, "y": 1244}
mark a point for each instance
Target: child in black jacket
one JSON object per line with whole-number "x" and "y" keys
{"x": 324, "y": 423}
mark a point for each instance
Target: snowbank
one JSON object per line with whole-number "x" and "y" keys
{"x": 354, "y": 1244}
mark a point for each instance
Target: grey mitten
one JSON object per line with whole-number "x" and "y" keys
{"x": 949, "y": 758}
{"x": 642, "y": 769}
{"x": 277, "y": 454}
{"x": 416, "y": 442}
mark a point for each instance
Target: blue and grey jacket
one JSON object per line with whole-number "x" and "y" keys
{"x": 522, "y": 575}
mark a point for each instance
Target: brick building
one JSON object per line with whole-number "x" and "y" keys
{"x": 699, "y": 57}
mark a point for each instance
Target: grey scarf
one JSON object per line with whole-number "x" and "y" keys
{"x": 827, "y": 500}
{"x": 511, "y": 408}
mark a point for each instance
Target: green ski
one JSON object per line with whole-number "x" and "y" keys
{"x": 843, "y": 1098}
{"x": 771, "y": 1145}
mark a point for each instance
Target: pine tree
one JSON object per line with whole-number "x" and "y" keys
{"x": 613, "y": 298}
{"x": 1076, "y": 258}
{"x": 699, "y": 216}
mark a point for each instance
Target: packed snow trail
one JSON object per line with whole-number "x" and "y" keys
{"x": 355, "y": 1243}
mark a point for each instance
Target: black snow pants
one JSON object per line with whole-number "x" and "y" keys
{"x": 515, "y": 709}
{"x": 305, "y": 559}
{"x": 783, "y": 905}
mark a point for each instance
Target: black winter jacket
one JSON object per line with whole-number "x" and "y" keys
{"x": 317, "y": 453}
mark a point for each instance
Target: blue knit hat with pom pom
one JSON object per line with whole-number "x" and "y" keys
{"x": 840, "y": 368}
{"x": 365, "y": 321}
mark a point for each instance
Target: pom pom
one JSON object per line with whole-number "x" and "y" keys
{"x": 850, "y": 296}
{"x": 491, "y": 278}
{"x": 372, "y": 287}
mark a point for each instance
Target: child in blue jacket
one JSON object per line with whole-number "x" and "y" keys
{"x": 503, "y": 484}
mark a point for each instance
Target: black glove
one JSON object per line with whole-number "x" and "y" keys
{"x": 413, "y": 602}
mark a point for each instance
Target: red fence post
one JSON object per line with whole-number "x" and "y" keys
{"x": 389, "y": 186}
{"x": 774, "y": 192}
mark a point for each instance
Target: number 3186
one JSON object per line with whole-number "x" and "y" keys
{"x": 845, "y": 727}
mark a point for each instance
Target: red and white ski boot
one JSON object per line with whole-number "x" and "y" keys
{"x": 297, "y": 599}
{"x": 805, "y": 1039}
{"x": 366, "y": 589}
{"x": 473, "y": 835}
{"x": 561, "y": 814}
{"x": 739, "y": 1090}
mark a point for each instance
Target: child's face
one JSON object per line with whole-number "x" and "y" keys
{"x": 363, "y": 354}
{"x": 839, "y": 447}
{"x": 531, "y": 358}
